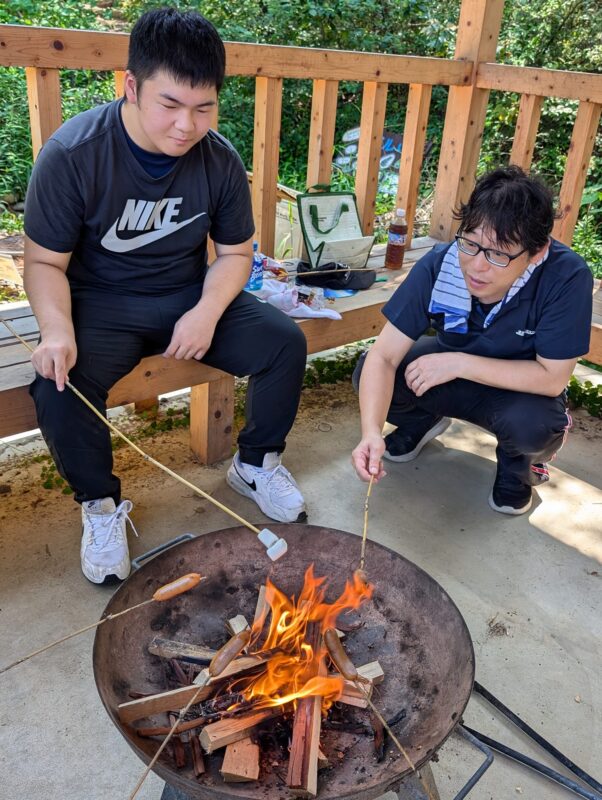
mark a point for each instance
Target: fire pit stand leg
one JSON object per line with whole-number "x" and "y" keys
{"x": 412, "y": 789}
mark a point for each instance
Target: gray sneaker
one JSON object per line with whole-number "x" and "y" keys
{"x": 104, "y": 548}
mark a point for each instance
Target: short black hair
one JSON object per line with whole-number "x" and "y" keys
{"x": 512, "y": 207}
{"x": 183, "y": 43}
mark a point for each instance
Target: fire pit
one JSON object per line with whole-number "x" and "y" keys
{"x": 410, "y": 626}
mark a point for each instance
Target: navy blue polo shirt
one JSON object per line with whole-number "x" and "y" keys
{"x": 550, "y": 316}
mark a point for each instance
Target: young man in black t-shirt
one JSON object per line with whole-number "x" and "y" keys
{"x": 119, "y": 207}
{"x": 511, "y": 308}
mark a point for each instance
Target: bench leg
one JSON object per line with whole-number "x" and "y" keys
{"x": 211, "y": 417}
{"x": 140, "y": 406}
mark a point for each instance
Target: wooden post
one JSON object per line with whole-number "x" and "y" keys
{"x": 266, "y": 149}
{"x": 211, "y": 419}
{"x": 321, "y": 133}
{"x": 525, "y": 132}
{"x": 575, "y": 171}
{"x": 44, "y": 96}
{"x": 412, "y": 152}
{"x": 372, "y": 124}
{"x": 119, "y": 81}
{"x": 478, "y": 31}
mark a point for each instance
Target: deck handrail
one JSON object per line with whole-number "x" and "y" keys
{"x": 470, "y": 76}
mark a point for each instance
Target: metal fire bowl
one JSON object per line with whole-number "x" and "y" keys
{"x": 411, "y": 626}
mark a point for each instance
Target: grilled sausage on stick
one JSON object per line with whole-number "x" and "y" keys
{"x": 340, "y": 658}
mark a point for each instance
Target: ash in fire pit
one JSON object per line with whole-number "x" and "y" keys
{"x": 266, "y": 710}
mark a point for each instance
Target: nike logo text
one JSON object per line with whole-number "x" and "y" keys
{"x": 155, "y": 219}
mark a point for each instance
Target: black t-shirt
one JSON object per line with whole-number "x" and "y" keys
{"x": 129, "y": 232}
{"x": 550, "y": 316}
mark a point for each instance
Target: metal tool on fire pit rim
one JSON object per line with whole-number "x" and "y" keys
{"x": 275, "y": 546}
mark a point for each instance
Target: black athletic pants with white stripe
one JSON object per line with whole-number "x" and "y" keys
{"x": 529, "y": 428}
{"x": 114, "y": 332}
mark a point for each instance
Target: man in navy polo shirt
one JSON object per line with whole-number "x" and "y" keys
{"x": 511, "y": 308}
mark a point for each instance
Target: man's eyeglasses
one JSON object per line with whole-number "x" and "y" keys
{"x": 494, "y": 257}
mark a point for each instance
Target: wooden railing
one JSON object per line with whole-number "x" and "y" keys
{"x": 470, "y": 76}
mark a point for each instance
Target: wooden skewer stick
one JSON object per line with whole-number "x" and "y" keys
{"x": 141, "y": 452}
{"x": 396, "y": 741}
{"x": 365, "y": 531}
{"x": 75, "y": 633}
{"x": 163, "y": 593}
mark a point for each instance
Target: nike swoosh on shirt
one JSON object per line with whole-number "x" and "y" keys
{"x": 110, "y": 241}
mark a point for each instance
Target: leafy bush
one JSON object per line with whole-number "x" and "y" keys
{"x": 544, "y": 33}
{"x": 585, "y": 394}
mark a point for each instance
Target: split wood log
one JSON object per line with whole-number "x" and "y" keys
{"x": 352, "y": 695}
{"x": 241, "y": 761}
{"x": 323, "y": 761}
{"x": 261, "y": 605}
{"x": 179, "y": 673}
{"x": 163, "y": 730}
{"x": 302, "y": 775}
{"x": 226, "y": 731}
{"x": 198, "y": 762}
{"x": 178, "y": 747}
{"x": 192, "y": 653}
{"x": 237, "y": 624}
{"x": 178, "y": 698}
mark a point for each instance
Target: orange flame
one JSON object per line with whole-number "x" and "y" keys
{"x": 295, "y": 670}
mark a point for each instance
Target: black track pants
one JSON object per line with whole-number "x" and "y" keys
{"x": 114, "y": 332}
{"x": 529, "y": 428}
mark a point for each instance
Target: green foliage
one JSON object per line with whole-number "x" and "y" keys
{"x": 321, "y": 371}
{"x": 51, "y": 480}
{"x": 585, "y": 394}
{"x": 558, "y": 34}
{"x": 10, "y": 223}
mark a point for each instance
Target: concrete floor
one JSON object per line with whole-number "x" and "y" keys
{"x": 538, "y": 576}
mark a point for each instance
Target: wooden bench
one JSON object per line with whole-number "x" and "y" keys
{"x": 212, "y": 391}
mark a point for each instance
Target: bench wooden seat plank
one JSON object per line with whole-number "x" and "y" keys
{"x": 212, "y": 391}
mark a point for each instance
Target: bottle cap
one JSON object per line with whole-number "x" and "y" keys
{"x": 401, "y": 212}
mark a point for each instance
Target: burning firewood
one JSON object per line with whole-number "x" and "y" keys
{"x": 302, "y": 775}
{"x": 241, "y": 761}
{"x": 178, "y": 746}
{"x": 177, "y": 698}
{"x": 198, "y": 763}
{"x": 352, "y": 695}
{"x": 226, "y": 731}
{"x": 192, "y": 653}
{"x": 237, "y": 624}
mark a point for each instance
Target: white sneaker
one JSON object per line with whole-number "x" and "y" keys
{"x": 104, "y": 549}
{"x": 272, "y": 487}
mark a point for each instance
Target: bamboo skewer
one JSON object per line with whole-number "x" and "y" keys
{"x": 365, "y": 531}
{"x": 394, "y": 738}
{"x": 141, "y": 452}
{"x": 162, "y": 594}
{"x": 75, "y": 633}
